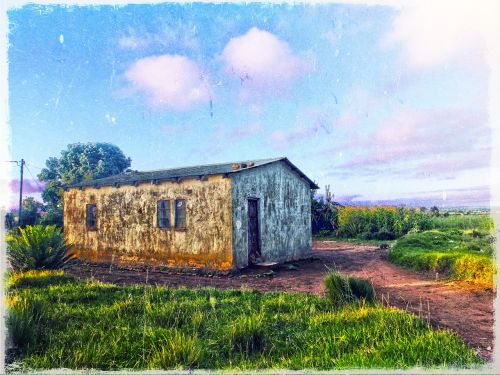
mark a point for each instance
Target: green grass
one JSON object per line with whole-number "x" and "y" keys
{"x": 82, "y": 325}
{"x": 342, "y": 290}
{"x": 464, "y": 222}
{"x": 457, "y": 254}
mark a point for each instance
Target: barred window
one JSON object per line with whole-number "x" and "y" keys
{"x": 163, "y": 213}
{"x": 180, "y": 213}
{"x": 91, "y": 216}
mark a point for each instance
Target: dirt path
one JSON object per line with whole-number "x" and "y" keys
{"x": 466, "y": 311}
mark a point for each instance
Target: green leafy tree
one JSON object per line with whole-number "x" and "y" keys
{"x": 434, "y": 211}
{"x": 79, "y": 162}
{"x": 324, "y": 212}
{"x": 52, "y": 215}
{"x": 10, "y": 220}
{"x": 31, "y": 211}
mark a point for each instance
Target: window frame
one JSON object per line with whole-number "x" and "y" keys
{"x": 88, "y": 212}
{"x": 176, "y": 218}
{"x": 166, "y": 213}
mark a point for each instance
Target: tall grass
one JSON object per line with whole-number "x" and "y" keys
{"x": 380, "y": 223}
{"x": 342, "y": 290}
{"x": 83, "y": 325}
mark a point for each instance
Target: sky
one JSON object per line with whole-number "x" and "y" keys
{"x": 383, "y": 103}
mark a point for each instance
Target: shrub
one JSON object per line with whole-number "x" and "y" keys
{"x": 361, "y": 289}
{"x": 37, "y": 247}
{"x": 341, "y": 290}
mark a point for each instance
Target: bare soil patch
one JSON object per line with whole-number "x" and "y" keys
{"x": 462, "y": 308}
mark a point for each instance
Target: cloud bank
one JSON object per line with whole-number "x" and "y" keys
{"x": 421, "y": 143}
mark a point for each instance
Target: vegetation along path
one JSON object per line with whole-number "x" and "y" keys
{"x": 464, "y": 309}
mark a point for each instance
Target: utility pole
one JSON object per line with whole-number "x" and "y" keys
{"x": 20, "y": 194}
{"x": 20, "y": 187}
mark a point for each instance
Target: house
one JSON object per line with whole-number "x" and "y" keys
{"x": 218, "y": 216}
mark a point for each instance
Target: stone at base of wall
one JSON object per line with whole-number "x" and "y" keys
{"x": 153, "y": 268}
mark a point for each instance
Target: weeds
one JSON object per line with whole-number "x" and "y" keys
{"x": 342, "y": 290}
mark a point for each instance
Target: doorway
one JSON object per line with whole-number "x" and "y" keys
{"x": 254, "y": 254}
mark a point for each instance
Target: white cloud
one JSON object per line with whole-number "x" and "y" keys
{"x": 169, "y": 81}
{"x": 437, "y": 33}
{"x": 264, "y": 63}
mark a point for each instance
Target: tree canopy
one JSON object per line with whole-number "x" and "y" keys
{"x": 80, "y": 162}
{"x": 31, "y": 211}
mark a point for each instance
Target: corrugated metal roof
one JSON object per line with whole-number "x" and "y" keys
{"x": 134, "y": 177}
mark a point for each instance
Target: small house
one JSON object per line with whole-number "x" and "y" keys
{"x": 219, "y": 216}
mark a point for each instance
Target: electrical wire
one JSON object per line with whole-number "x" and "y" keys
{"x": 35, "y": 179}
{"x": 34, "y": 166}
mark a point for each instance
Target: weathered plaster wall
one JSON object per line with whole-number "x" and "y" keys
{"x": 127, "y": 229}
{"x": 284, "y": 213}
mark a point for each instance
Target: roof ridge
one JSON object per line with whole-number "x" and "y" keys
{"x": 209, "y": 165}
{"x": 179, "y": 173}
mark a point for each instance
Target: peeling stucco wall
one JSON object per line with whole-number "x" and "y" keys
{"x": 284, "y": 213}
{"x": 127, "y": 229}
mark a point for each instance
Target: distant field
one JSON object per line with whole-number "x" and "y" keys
{"x": 61, "y": 323}
{"x": 478, "y": 222}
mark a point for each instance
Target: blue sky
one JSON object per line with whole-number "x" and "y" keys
{"x": 378, "y": 102}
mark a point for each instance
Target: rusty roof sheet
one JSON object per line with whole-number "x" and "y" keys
{"x": 134, "y": 177}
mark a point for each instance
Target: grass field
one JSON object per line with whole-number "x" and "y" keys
{"x": 454, "y": 253}
{"x": 463, "y": 222}
{"x": 59, "y": 322}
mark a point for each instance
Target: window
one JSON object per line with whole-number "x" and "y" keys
{"x": 91, "y": 216}
{"x": 163, "y": 213}
{"x": 180, "y": 213}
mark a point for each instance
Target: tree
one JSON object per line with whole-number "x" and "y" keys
{"x": 31, "y": 211}
{"x": 434, "y": 211}
{"x": 52, "y": 215}
{"x": 324, "y": 212}
{"x": 79, "y": 162}
{"x": 10, "y": 220}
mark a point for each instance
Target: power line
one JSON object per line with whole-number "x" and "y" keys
{"x": 35, "y": 166}
{"x": 35, "y": 179}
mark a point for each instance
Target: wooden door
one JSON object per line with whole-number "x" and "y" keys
{"x": 253, "y": 231}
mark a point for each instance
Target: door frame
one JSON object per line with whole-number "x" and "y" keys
{"x": 259, "y": 244}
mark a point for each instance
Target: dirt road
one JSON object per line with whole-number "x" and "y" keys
{"x": 467, "y": 311}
